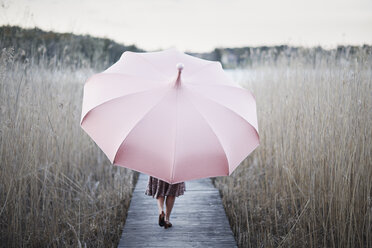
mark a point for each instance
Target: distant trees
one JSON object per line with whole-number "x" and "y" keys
{"x": 100, "y": 53}
{"x": 63, "y": 47}
{"x": 264, "y": 55}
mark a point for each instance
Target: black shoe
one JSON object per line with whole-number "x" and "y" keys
{"x": 167, "y": 224}
{"x": 161, "y": 219}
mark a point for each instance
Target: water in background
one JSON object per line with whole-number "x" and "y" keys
{"x": 241, "y": 76}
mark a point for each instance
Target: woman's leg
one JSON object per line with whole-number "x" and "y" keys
{"x": 169, "y": 202}
{"x": 160, "y": 201}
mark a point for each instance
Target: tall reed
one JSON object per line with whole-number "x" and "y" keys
{"x": 57, "y": 188}
{"x": 309, "y": 183}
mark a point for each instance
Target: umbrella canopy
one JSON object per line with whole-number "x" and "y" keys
{"x": 170, "y": 115}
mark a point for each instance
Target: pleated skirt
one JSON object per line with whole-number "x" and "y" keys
{"x": 157, "y": 187}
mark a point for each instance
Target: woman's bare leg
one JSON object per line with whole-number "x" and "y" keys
{"x": 160, "y": 201}
{"x": 169, "y": 202}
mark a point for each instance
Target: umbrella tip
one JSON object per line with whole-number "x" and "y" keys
{"x": 179, "y": 66}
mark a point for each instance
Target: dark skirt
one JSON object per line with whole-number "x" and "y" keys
{"x": 157, "y": 187}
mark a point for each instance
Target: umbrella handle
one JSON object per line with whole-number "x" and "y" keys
{"x": 180, "y": 67}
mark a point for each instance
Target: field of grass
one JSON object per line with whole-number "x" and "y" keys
{"x": 57, "y": 189}
{"x": 309, "y": 183}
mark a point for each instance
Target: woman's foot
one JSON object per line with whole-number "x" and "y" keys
{"x": 167, "y": 224}
{"x": 161, "y": 219}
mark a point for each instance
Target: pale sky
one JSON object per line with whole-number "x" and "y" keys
{"x": 200, "y": 25}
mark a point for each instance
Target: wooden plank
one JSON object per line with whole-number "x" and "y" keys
{"x": 198, "y": 219}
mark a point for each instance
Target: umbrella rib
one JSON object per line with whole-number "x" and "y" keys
{"x": 139, "y": 120}
{"x": 210, "y": 99}
{"x": 126, "y": 74}
{"x": 200, "y": 69}
{"x": 176, "y": 135}
{"x": 223, "y": 106}
{"x": 208, "y": 124}
{"x": 237, "y": 86}
{"x": 149, "y": 62}
{"x": 116, "y": 98}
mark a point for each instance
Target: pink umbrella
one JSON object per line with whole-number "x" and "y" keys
{"x": 170, "y": 115}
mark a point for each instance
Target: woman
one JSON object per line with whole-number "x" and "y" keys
{"x": 164, "y": 191}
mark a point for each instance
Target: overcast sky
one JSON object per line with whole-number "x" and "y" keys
{"x": 200, "y": 25}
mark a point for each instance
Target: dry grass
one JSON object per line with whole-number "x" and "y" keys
{"x": 309, "y": 184}
{"x": 56, "y": 187}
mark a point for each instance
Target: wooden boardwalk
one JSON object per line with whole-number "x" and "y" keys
{"x": 198, "y": 219}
